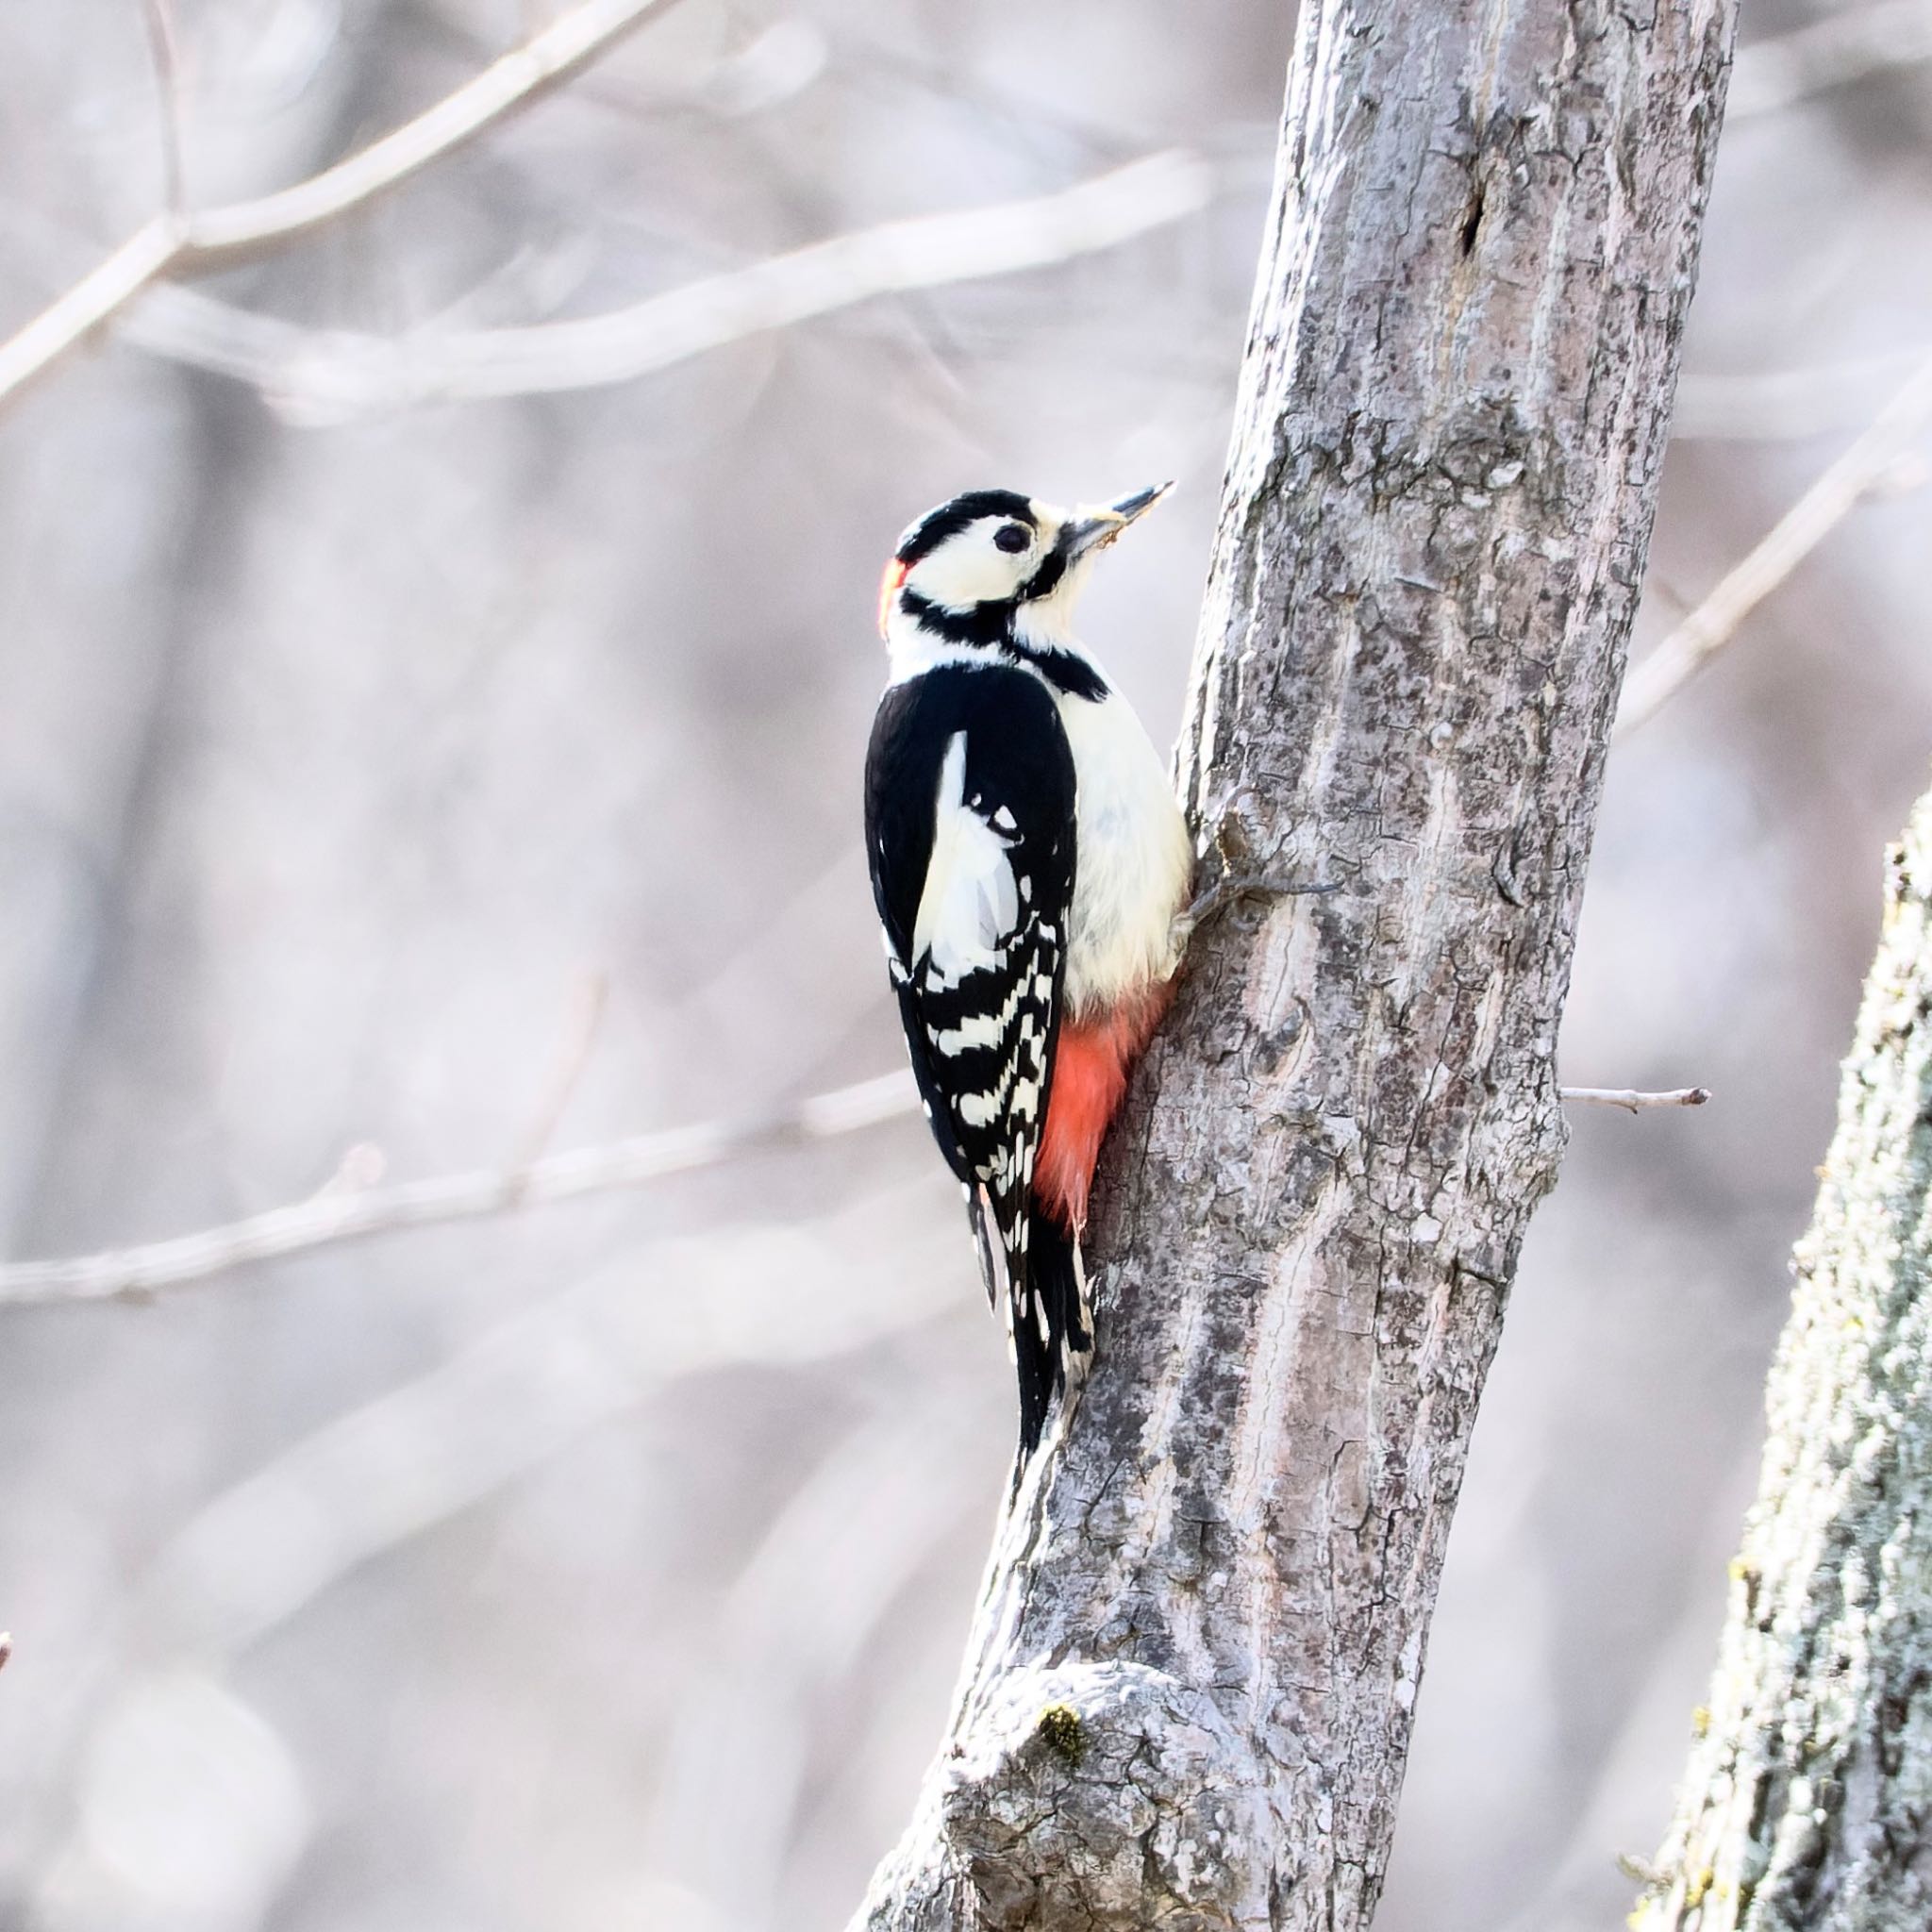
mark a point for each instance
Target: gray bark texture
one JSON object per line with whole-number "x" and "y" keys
{"x": 1187, "y": 1693}
{"x": 1809, "y": 1797}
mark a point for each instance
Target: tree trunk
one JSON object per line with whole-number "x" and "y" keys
{"x": 1809, "y": 1789}
{"x": 1187, "y": 1697}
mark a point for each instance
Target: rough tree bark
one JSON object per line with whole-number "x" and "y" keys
{"x": 1809, "y": 1797}
{"x": 1187, "y": 1697}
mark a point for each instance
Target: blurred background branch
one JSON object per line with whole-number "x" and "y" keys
{"x": 350, "y": 1207}
{"x": 318, "y": 377}
{"x": 375, "y": 1477}
{"x": 522, "y": 1395}
{"x": 1851, "y": 44}
{"x": 1864, "y": 466}
{"x": 1785, "y": 403}
{"x": 180, "y": 241}
{"x": 165, "y": 42}
{"x": 344, "y": 1210}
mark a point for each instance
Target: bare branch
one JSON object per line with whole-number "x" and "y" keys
{"x": 145, "y": 253}
{"x": 327, "y": 377}
{"x": 1715, "y": 622}
{"x": 1634, "y": 1099}
{"x": 168, "y": 245}
{"x": 580, "y": 1038}
{"x": 519, "y": 77}
{"x": 1776, "y": 72}
{"x": 341, "y": 1214}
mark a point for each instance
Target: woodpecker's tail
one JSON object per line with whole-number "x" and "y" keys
{"x": 1035, "y": 1281}
{"x": 1050, "y": 1323}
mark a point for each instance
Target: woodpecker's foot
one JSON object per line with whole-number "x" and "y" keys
{"x": 1226, "y": 890}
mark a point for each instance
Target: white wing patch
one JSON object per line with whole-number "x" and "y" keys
{"x": 970, "y": 902}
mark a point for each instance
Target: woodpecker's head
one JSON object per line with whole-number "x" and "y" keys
{"x": 993, "y": 567}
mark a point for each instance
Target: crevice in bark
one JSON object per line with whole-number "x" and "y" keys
{"x": 1472, "y": 224}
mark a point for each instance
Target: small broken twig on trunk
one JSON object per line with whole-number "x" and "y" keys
{"x": 1633, "y": 1100}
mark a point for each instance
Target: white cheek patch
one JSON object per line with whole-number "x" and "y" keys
{"x": 971, "y": 902}
{"x": 969, "y": 568}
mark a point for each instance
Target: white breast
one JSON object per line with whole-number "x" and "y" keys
{"x": 1133, "y": 864}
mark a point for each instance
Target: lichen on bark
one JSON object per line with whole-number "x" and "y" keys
{"x": 1808, "y": 1794}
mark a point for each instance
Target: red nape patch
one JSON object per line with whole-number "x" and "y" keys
{"x": 888, "y": 588}
{"x": 1090, "y": 1075}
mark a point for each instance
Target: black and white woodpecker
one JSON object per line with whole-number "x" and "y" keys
{"x": 1030, "y": 865}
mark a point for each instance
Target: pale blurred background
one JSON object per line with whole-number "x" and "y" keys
{"x": 604, "y": 1568}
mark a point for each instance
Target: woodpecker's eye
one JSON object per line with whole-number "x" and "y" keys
{"x": 1012, "y": 537}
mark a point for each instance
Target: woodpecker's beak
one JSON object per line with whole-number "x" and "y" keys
{"x": 1093, "y": 529}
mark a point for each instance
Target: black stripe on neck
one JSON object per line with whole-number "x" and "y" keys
{"x": 981, "y": 624}
{"x": 1065, "y": 671}
{"x": 989, "y": 627}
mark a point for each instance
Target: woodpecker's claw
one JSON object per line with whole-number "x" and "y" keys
{"x": 1226, "y": 891}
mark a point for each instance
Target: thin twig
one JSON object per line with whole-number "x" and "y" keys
{"x": 1846, "y": 46}
{"x": 167, "y": 56}
{"x": 1633, "y": 1100}
{"x": 580, "y": 1037}
{"x": 343, "y": 1215}
{"x": 1796, "y": 534}
{"x": 167, "y": 245}
{"x": 334, "y": 377}
{"x": 88, "y": 303}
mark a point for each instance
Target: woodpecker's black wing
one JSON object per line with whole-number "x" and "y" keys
{"x": 969, "y": 807}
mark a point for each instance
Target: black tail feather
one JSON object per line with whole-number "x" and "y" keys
{"x": 1049, "y": 1319}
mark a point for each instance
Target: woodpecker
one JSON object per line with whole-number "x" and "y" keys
{"x": 1030, "y": 866}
